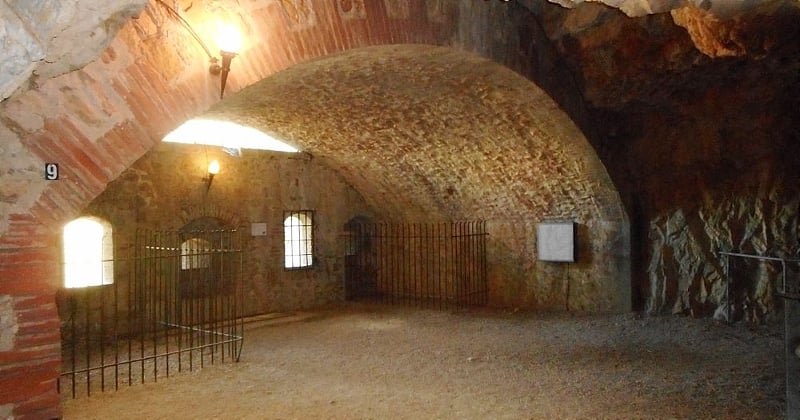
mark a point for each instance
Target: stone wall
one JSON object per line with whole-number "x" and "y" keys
{"x": 165, "y": 190}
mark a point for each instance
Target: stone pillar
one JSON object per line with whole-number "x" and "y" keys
{"x": 30, "y": 338}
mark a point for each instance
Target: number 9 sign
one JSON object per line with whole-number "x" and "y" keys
{"x": 51, "y": 171}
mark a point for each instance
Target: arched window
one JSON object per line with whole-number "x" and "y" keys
{"x": 298, "y": 238}
{"x": 88, "y": 253}
{"x": 195, "y": 253}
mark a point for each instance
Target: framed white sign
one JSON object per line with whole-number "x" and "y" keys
{"x": 555, "y": 241}
{"x": 258, "y": 229}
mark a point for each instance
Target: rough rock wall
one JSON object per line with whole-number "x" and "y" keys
{"x": 46, "y": 38}
{"x": 687, "y": 275}
{"x": 638, "y": 8}
{"x": 693, "y": 114}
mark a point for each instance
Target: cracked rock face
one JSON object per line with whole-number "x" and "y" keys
{"x": 636, "y": 8}
{"x": 685, "y": 246}
{"x": 46, "y": 38}
{"x": 694, "y": 113}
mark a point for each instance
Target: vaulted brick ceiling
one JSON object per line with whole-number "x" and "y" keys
{"x": 430, "y": 132}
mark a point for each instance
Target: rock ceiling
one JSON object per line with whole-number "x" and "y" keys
{"x": 645, "y": 53}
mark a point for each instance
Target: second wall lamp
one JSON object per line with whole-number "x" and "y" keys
{"x": 229, "y": 42}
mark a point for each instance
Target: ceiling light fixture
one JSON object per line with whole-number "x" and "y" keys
{"x": 229, "y": 42}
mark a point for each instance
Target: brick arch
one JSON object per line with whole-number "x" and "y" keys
{"x": 96, "y": 121}
{"x": 460, "y": 135}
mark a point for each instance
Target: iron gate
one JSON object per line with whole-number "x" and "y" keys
{"x": 426, "y": 264}
{"x": 174, "y": 305}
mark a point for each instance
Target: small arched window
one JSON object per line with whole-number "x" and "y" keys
{"x": 298, "y": 234}
{"x": 195, "y": 253}
{"x": 88, "y": 253}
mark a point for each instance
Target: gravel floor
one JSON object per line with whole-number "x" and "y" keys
{"x": 376, "y": 362}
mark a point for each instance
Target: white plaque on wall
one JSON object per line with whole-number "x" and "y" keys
{"x": 258, "y": 229}
{"x": 555, "y": 241}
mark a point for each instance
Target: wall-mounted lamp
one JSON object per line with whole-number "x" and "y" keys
{"x": 213, "y": 169}
{"x": 229, "y": 42}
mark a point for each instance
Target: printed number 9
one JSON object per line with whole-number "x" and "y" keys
{"x": 51, "y": 171}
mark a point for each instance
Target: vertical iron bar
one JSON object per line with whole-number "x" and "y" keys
{"x": 191, "y": 292}
{"x": 239, "y": 306}
{"x": 411, "y": 265}
{"x": 123, "y": 269}
{"x": 381, "y": 263}
{"x": 102, "y": 333}
{"x": 181, "y": 304}
{"x": 468, "y": 237}
{"x": 201, "y": 307}
{"x": 74, "y": 338}
{"x": 386, "y": 266}
{"x": 129, "y": 305}
{"x": 404, "y": 261}
{"x": 140, "y": 299}
{"x": 440, "y": 263}
{"x": 153, "y": 300}
{"x": 425, "y": 258}
{"x": 395, "y": 262}
{"x": 485, "y": 266}
{"x": 448, "y": 264}
{"x": 414, "y": 255}
{"x": 87, "y": 341}
{"x": 458, "y": 264}
{"x": 392, "y": 254}
{"x": 217, "y": 289}
{"x": 422, "y": 264}
{"x": 167, "y": 298}
{"x": 473, "y": 238}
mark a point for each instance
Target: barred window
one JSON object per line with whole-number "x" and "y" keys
{"x": 298, "y": 235}
{"x": 88, "y": 253}
{"x": 195, "y": 253}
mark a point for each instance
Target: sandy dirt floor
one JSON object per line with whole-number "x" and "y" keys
{"x": 375, "y": 362}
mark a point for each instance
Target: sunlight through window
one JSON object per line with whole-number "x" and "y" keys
{"x": 88, "y": 253}
{"x": 195, "y": 253}
{"x": 225, "y": 134}
{"x": 298, "y": 236}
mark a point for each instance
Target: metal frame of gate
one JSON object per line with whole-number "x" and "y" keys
{"x": 788, "y": 288}
{"x": 175, "y": 305}
{"x": 424, "y": 264}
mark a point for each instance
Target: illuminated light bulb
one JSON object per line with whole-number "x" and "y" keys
{"x": 213, "y": 167}
{"x": 229, "y": 39}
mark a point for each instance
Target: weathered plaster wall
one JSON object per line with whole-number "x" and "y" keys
{"x": 164, "y": 190}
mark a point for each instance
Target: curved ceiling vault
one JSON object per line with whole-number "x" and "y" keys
{"x": 428, "y": 132}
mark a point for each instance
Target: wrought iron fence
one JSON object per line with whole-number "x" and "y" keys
{"x": 424, "y": 264}
{"x": 174, "y": 305}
